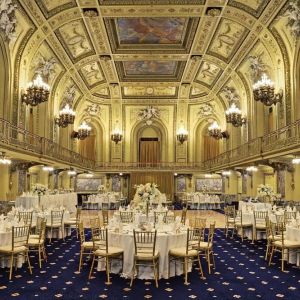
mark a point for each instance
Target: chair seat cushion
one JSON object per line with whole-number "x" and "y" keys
{"x": 35, "y": 242}
{"x": 204, "y": 246}
{"x": 147, "y": 256}
{"x": 244, "y": 224}
{"x": 89, "y": 245}
{"x": 181, "y": 251}
{"x": 34, "y": 236}
{"x": 260, "y": 226}
{"x": 287, "y": 244}
{"x": 111, "y": 251}
{"x": 8, "y": 249}
{"x": 70, "y": 222}
{"x": 276, "y": 237}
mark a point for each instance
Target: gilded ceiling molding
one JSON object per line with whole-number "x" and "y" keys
{"x": 42, "y": 4}
{"x": 151, "y": 2}
{"x": 254, "y": 12}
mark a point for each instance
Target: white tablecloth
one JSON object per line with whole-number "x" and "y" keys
{"x": 68, "y": 200}
{"x": 293, "y": 234}
{"x": 255, "y": 206}
{"x": 165, "y": 241}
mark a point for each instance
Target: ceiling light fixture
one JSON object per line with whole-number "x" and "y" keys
{"x": 36, "y": 92}
{"x": 263, "y": 91}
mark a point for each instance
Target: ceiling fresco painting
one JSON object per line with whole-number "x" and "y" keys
{"x": 151, "y": 30}
{"x": 150, "y": 67}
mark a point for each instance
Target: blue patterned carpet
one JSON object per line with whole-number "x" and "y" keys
{"x": 241, "y": 273}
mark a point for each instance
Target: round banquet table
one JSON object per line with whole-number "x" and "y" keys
{"x": 166, "y": 240}
{"x": 293, "y": 234}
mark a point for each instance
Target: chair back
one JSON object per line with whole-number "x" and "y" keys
{"x": 126, "y": 216}
{"x": 38, "y": 225}
{"x": 183, "y": 215}
{"x": 280, "y": 219}
{"x": 78, "y": 214}
{"x": 199, "y": 222}
{"x": 193, "y": 239}
{"x": 144, "y": 242}
{"x": 20, "y": 235}
{"x": 42, "y": 233}
{"x": 211, "y": 234}
{"x": 95, "y": 223}
{"x": 170, "y": 218}
{"x": 277, "y": 229}
{"x": 57, "y": 217}
{"x": 229, "y": 212}
{"x": 260, "y": 217}
{"x": 157, "y": 215}
{"x": 99, "y": 238}
{"x": 26, "y": 216}
{"x": 105, "y": 217}
{"x": 289, "y": 215}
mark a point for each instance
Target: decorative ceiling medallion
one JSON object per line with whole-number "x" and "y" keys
{"x": 206, "y": 109}
{"x": 93, "y": 109}
{"x": 231, "y": 95}
{"x": 141, "y": 34}
{"x": 50, "y": 7}
{"x": 150, "y": 70}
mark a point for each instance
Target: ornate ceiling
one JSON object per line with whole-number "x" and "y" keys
{"x": 162, "y": 50}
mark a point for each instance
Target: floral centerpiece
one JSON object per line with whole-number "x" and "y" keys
{"x": 39, "y": 189}
{"x": 265, "y": 190}
{"x": 144, "y": 194}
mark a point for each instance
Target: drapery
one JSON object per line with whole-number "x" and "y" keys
{"x": 87, "y": 147}
{"x": 211, "y": 147}
{"x": 164, "y": 180}
{"x": 149, "y": 151}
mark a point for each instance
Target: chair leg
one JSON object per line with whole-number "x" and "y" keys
{"x": 107, "y": 270}
{"x": 92, "y": 266}
{"x": 44, "y": 253}
{"x": 268, "y": 249}
{"x": 200, "y": 266}
{"x": 186, "y": 271}
{"x": 282, "y": 259}
{"x": 40, "y": 259}
{"x": 271, "y": 255}
{"x": 28, "y": 261}
{"x": 11, "y": 265}
{"x": 155, "y": 273}
{"x": 208, "y": 262}
{"x": 133, "y": 272}
{"x": 80, "y": 258}
{"x": 213, "y": 259}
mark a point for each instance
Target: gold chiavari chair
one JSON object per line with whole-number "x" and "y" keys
{"x": 104, "y": 217}
{"x": 282, "y": 245}
{"x": 37, "y": 228}
{"x": 95, "y": 222}
{"x": 229, "y": 212}
{"x": 102, "y": 250}
{"x": 56, "y": 223}
{"x": 289, "y": 216}
{"x": 280, "y": 219}
{"x": 260, "y": 223}
{"x": 170, "y": 218}
{"x": 145, "y": 253}
{"x": 199, "y": 222}
{"x": 271, "y": 237}
{"x": 207, "y": 247}
{"x": 157, "y": 215}
{"x": 19, "y": 246}
{"x": 126, "y": 216}
{"x": 74, "y": 222}
{"x": 239, "y": 223}
{"x": 26, "y": 216}
{"x": 183, "y": 215}
{"x": 38, "y": 244}
{"x": 188, "y": 253}
{"x": 84, "y": 245}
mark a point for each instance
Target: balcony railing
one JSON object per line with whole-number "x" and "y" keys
{"x": 19, "y": 138}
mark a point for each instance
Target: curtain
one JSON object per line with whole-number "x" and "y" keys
{"x": 211, "y": 147}
{"x": 149, "y": 151}
{"x": 87, "y": 147}
{"x": 164, "y": 180}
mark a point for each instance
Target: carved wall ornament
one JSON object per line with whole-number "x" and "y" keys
{"x": 293, "y": 16}
{"x": 231, "y": 95}
{"x": 257, "y": 66}
{"x": 148, "y": 114}
{"x": 206, "y": 110}
{"x": 69, "y": 95}
{"x": 93, "y": 109}
{"x": 8, "y": 20}
{"x": 45, "y": 67}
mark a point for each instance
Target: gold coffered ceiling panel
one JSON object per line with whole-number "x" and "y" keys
{"x": 51, "y": 7}
{"x": 92, "y": 74}
{"x": 208, "y": 73}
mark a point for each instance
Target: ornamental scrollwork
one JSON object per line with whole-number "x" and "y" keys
{"x": 8, "y": 20}
{"x": 148, "y": 114}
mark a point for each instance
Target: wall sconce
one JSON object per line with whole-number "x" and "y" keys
{"x": 182, "y": 135}
{"x": 263, "y": 91}
{"x": 234, "y": 116}
{"x": 84, "y": 130}
{"x": 116, "y": 136}
{"x": 214, "y": 130}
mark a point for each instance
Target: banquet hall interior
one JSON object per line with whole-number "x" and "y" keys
{"x": 149, "y": 149}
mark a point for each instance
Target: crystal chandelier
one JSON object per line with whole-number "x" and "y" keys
{"x": 116, "y": 136}
{"x": 214, "y": 130}
{"x": 234, "y": 116}
{"x": 263, "y": 91}
{"x": 84, "y": 130}
{"x": 182, "y": 135}
{"x": 296, "y": 161}
{"x": 66, "y": 116}
{"x": 36, "y": 92}
{"x": 4, "y": 160}
{"x": 48, "y": 169}
{"x": 252, "y": 169}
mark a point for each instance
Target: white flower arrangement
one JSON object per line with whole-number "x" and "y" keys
{"x": 144, "y": 194}
{"x": 265, "y": 190}
{"x": 39, "y": 189}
